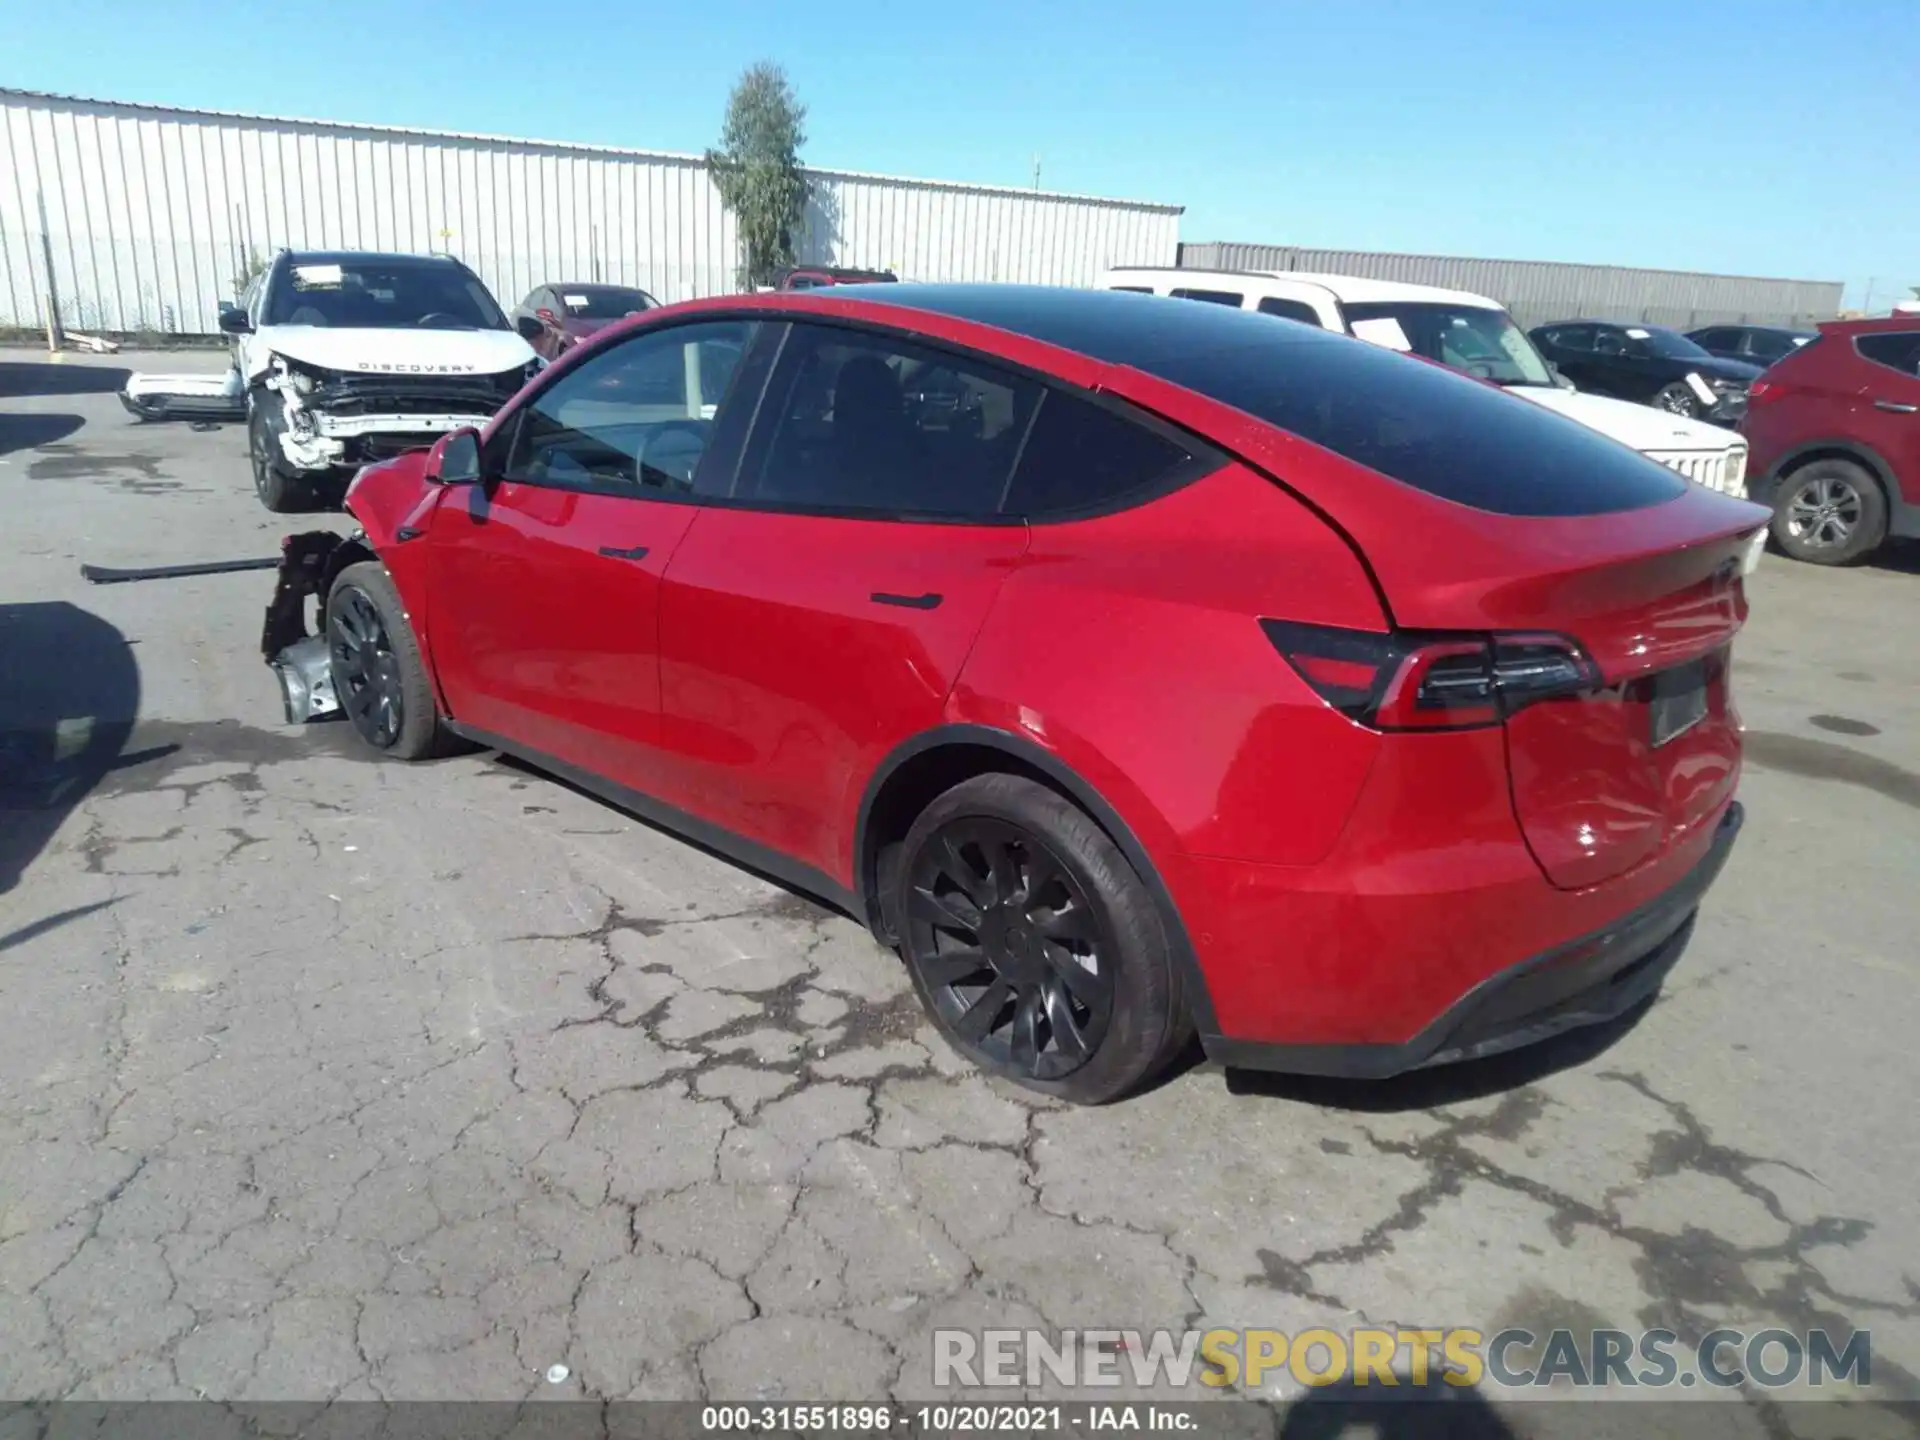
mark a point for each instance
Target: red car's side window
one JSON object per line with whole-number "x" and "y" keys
{"x": 874, "y": 423}
{"x": 634, "y": 419}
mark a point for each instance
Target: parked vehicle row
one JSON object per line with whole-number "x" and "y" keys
{"x": 343, "y": 358}
{"x": 1649, "y": 364}
{"x": 1134, "y": 669}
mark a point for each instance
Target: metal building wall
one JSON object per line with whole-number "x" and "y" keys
{"x": 152, "y": 213}
{"x": 1537, "y": 291}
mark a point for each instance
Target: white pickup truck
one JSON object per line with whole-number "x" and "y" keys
{"x": 1469, "y": 333}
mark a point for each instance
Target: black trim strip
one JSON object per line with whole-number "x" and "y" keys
{"x": 748, "y": 854}
{"x": 1474, "y": 1026}
{"x": 614, "y": 552}
{"x": 927, "y": 601}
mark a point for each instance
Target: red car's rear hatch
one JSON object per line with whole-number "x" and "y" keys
{"x": 1538, "y": 576}
{"x": 1607, "y": 649}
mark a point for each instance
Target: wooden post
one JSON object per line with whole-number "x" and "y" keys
{"x": 54, "y": 336}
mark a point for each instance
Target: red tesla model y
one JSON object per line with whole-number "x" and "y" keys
{"x": 1133, "y": 667}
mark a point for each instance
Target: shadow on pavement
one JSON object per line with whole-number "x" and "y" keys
{"x": 1901, "y": 556}
{"x": 532, "y": 771}
{"x": 41, "y": 377}
{"x": 69, "y": 692}
{"x": 25, "y": 432}
{"x": 1408, "y": 1410}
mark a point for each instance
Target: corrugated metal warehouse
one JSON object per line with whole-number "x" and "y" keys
{"x": 1537, "y": 291}
{"x": 150, "y": 214}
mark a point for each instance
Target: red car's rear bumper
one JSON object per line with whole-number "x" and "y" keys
{"x": 1383, "y": 977}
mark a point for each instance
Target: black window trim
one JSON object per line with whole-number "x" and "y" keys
{"x": 1207, "y": 457}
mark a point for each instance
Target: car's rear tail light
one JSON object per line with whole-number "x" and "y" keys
{"x": 1761, "y": 389}
{"x": 1418, "y": 680}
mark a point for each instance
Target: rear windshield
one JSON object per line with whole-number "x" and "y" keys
{"x": 603, "y": 302}
{"x": 1459, "y": 439}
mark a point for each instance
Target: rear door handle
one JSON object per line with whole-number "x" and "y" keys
{"x": 1895, "y": 407}
{"x": 614, "y": 552}
{"x": 910, "y": 602}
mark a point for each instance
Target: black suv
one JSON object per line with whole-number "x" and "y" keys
{"x": 1760, "y": 345}
{"x": 1650, "y": 364}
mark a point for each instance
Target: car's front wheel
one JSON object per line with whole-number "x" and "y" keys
{"x": 1034, "y": 945}
{"x": 279, "y": 491}
{"x": 378, "y": 673}
{"x": 1678, "y": 399}
{"x": 1831, "y": 512}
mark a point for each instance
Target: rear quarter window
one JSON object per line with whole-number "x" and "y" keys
{"x": 1291, "y": 310}
{"x": 1212, "y": 297}
{"x": 1452, "y": 437}
{"x": 1897, "y": 350}
{"x": 1080, "y": 457}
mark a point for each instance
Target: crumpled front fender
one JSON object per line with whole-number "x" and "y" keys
{"x": 394, "y": 505}
{"x": 308, "y": 564}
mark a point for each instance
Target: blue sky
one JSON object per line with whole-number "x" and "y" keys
{"x": 1767, "y": 138}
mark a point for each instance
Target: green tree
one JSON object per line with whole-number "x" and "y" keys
{"x": 757, "y": 169}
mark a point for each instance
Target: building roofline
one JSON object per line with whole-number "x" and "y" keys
{"x": 8, "y": 93}
{"x": 1496, "y": 260}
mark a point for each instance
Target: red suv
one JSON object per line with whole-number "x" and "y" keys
{"x": 1130, "y": 666}
{"x": 1834, "y": 437}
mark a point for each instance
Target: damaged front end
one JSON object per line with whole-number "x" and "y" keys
{"x": 337, "y": 420}
{"x": 299, "y": 657}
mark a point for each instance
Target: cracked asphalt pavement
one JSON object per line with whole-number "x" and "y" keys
{"x": 326, "y": 1077}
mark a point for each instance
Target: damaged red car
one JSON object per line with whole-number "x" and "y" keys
{"x": 1133, "y": 668}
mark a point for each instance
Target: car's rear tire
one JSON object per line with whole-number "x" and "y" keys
{"x": 281, "y": 492}
{"x": 378, "y": 674}
{"x": 1829, "y": 512}
{"x": 1035, "y": 947}
{"x": 1678, "y": 399}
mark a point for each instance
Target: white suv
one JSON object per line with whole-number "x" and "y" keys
{"x": 1471, "y": 334}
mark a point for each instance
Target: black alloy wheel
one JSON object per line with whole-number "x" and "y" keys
{"x": 1008, "y": 948}
{"x": 366, "y": 672}
{"x": 257, "y": 454}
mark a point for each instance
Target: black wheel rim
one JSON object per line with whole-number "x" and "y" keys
{"x": 257, "y": 452}
{"x": 366, "y": 672}
{"x": 1018, "y": 965}
{"x": 1676, "y": 401}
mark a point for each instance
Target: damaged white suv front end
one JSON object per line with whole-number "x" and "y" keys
{"x": 349, "y": 359}
{"x": 364, "y": 408}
